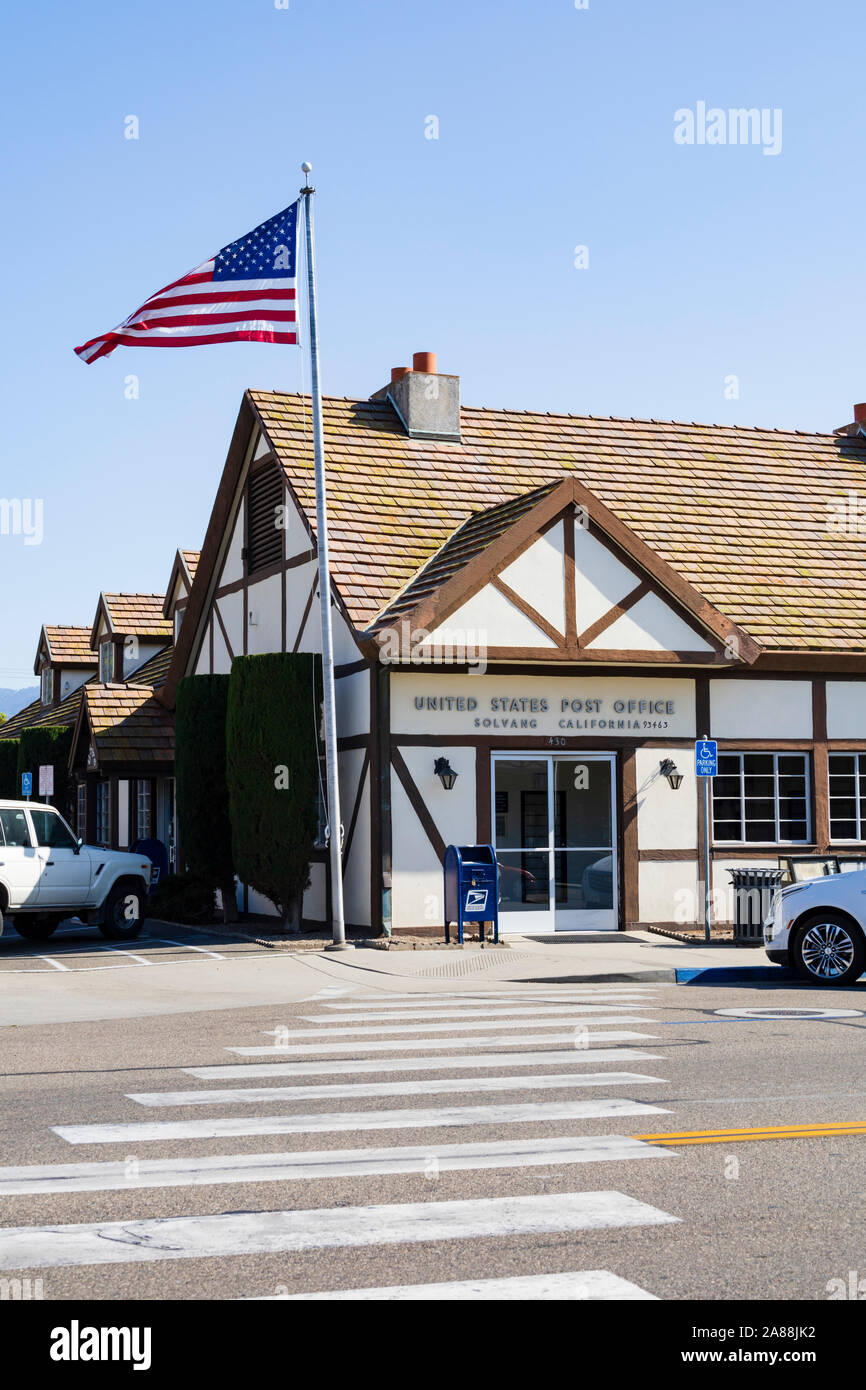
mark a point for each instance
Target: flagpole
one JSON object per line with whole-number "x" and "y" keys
{"x": 334, "y": 820}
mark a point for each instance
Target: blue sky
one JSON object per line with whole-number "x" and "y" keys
{"x": 556, "y": 129}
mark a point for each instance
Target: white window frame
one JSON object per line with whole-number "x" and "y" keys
{"x": 764, "y": 752}
{"x": 103, "y": 814}
{"x": 106, "y": 663}
{"x": 81, "y": 810}
{"x": 143, "y": 801}
{"x": 860, "y": 807}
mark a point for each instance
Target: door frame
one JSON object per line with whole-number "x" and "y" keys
{"x": 543, "y": 922}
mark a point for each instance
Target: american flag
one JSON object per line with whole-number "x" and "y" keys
{"x": 246, "y": 292}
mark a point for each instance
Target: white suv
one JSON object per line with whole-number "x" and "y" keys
{"x": 47, "y": 875}
{"x": 819, "y": 927}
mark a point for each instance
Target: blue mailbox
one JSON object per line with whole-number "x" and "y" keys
{"x": 471, "y": 888}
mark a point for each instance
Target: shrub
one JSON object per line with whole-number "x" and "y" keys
{"x": 10, "y": 787}
{"x": 272, "y": 733}
{"x": 201, "y": 788}
{"x": 183, "y": 898}
{"x": 43, "y": 745}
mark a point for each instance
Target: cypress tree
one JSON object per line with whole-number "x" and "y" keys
{"x": 272, "y": 736}
{"x": 200, "y": 784}
{"x": 10, "y": 787}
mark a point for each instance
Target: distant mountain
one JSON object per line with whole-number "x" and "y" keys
{"x": 11, "y": 701}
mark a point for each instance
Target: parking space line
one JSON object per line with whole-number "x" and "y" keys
{"x": 52, "y": 961}
{"x": 164, "y": 940}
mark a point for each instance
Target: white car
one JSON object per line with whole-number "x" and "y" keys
{"x": 819, "y": 927}
{"x": 47, "y": 875}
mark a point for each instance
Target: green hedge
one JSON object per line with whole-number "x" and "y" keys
{"x": 10, "y": 786}
{"x": 40, "y": 746}
{"x": 272, "y": 731}
{"x": 202, "y": 791}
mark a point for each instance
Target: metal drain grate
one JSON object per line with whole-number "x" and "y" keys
{"x": 468, "y": 965}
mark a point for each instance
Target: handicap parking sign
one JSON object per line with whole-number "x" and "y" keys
{"x": 706, "y": 757}
{"x": 27, "y": 784}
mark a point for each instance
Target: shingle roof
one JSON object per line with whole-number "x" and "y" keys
{"x": 128, "y": 725}
{"x": 191, "y": 559}
{"x": 43, "y": 716}
{"x": 742, "y": 514}
{"x": 69, "y": 646}
{"x": 139, "y": 614}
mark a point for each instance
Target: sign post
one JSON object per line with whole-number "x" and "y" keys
{"x": 27, "y": 785}
{"x": 706, "y": 767}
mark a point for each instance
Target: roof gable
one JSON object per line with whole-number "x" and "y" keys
{"x": 559, "y": 579}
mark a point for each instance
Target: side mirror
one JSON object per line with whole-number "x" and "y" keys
{"x": 78, "y": 845}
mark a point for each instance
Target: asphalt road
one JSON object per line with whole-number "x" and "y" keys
{"x": 500, "y": 1116}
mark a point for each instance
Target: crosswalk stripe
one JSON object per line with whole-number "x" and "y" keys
{"x": 244, "y": 1071}
{"x": 499, "y": 1019}
{"x": 256, "y": 1095}
{"x": 461, "y": 1044}
{"x": 121, "y": 1175}
{"x": 275, "y": 1232}
{"x": 478, "y": 1001}
{"x": 583, "y": 1285}
{"x": 422, "y": 1026}
{"x": 446, "y": 1117}
{"x": 418, "y": 1020}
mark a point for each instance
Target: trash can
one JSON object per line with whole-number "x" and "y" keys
{"x": 753, "y": 894}
{"x": 471, "y": 888}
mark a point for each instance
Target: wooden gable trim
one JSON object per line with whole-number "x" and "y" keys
{"x": 610, "y": 617}
{"x": 436, "y": 607}
{"x": 417, "y": 803}
{"x": 528, "y": 611}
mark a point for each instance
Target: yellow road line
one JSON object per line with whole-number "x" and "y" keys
{"x": 730, "y": 1136}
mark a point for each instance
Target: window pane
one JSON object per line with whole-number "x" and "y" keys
{"x": 729, "y": 765}
{"x": 793, "y": 829}
{"x": 521, "y": 804}
{"x": 523, "y": 882}
{"x": 759, "y": 786}
{"x": 726, "y": 809}
{"x": 50, "y": 830}
{"x": 843, "y": 806}
{"x": 584, "y": 880}
{"x": 727, "y": 830}
{"x": 792, "y": 763}
{"x": 760, "y": 831}
{"x": 842, "y": 763}
{"x": 756, "y": 764}
{"x": 14, "y": 827}
{"x": 582, "y": 802}
{"x": 726, "y": 786}
{"x": 843, "y": 829}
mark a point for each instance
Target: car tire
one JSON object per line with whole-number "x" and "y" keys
{"x": 123, "y": 914}
{"x": 829, "y": 950}
{"x": 36, "y": 928}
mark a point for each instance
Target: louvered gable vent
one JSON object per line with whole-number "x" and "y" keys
{"x": 264, "y": 537}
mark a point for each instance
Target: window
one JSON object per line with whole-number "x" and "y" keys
{"x": 51, "y": 831}
{"x": 847, "y": 796}
{"x": 761, "y": 798}
{"x": 81, "y": 809}
{"x": 143, "y": 818}
{"x": 106, "y": 662}
{"x": 14, "y": 832}
{"x": 103, "y": 814}
{"x": 47, "y": 679}
{"x": 265, "y": 493}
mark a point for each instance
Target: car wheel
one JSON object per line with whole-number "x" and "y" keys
{"x": 830, "y": 950}
{"x": 36, "y": 928}
{"x": 122, "y": 919}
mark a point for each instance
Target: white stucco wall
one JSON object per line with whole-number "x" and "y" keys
{"x": 265, "y": 611}
{"x": 352, "y": 696}
{"x": 71, "y": 677}
{"x": 417, "y": 896}
{"x": 667, "y": 892}
{"x": 666, "y": 819}
{"x": 760, "y": 709}
{"x": 846, "y": 709}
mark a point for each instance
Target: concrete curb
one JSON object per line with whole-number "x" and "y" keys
{"x": 733, "y": 974}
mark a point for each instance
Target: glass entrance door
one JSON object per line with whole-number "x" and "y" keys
{"x": 555, "y": 839}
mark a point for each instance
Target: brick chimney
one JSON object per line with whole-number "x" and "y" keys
{"x": 858, "y": 424}
{"x": 426, "y": 402}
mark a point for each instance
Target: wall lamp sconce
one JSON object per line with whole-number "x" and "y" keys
{"x": 445, "y": 772}
{"x": 668, "y": 768}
